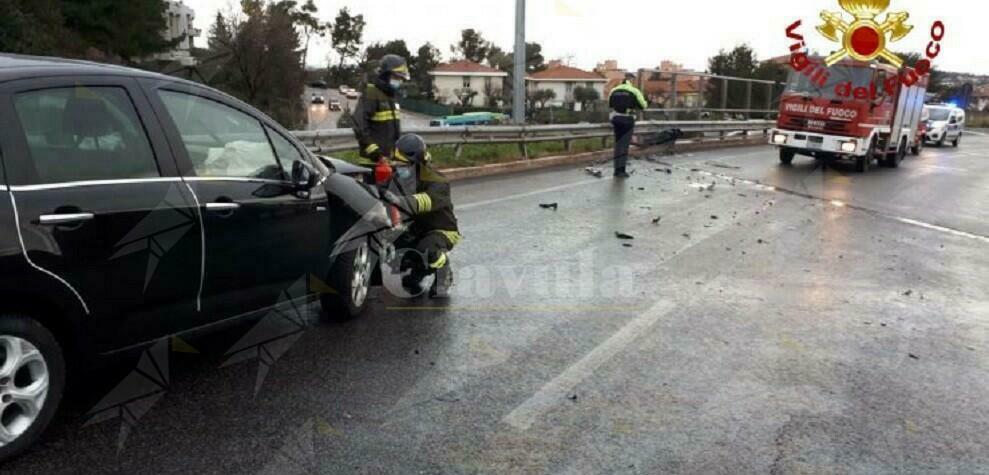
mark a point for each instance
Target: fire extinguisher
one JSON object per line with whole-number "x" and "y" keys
{"x": 382, "y": 175}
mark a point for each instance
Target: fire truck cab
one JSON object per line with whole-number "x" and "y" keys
{"x": 852, "y": 116}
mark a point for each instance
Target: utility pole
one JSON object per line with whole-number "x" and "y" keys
{"x": 518, "y": 99}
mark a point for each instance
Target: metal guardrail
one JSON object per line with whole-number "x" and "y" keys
{"x": 340, "y": 140}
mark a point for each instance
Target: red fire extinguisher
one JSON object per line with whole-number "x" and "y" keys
{"x": 382, "y": 175}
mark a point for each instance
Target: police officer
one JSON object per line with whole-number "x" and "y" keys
{"x": 624, "y": 101}
{"x": 434, "y": 224}
{"x": 377, "y": 124}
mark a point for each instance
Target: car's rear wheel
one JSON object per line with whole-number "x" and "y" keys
{"x": 350, "y": 283}
{"x": 786, "y": 156}
{"x": 32, "y": 381}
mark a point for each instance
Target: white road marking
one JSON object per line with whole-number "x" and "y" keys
{"x": 976, "y": 133}
{"x": 555, "y": 391}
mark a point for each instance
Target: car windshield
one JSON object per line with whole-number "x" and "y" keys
{"x": 939, "y": 114}
{"x": 799, "y": 83}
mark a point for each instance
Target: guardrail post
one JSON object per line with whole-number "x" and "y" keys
{"x": 568, "y": 145}
{"x": 673, "y": 97}
{"x": 458, "y": 150}
{"x": 523, "y": 148}
{"x": 724, "y": 95}
{"x": 748, "y": 99}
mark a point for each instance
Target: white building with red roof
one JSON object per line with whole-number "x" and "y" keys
{"x": 461, "y": 79}
{"x": 563, "y": 80}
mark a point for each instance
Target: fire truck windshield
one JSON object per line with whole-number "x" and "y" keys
{"x": 838, "y": 76}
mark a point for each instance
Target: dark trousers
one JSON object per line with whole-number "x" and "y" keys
{"x": 624, "y": 125}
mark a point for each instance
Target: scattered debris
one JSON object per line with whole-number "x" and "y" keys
{"x": 552, "y": 206}
{"x": 883, "y": 324}
{"x": 711, "y": 186}
{"x": 743, "y": 195}
{"x": 623, "y": 235}
{"x": 657, "y": 219}
{"x": 913, "y": 356}
{"x": 596, "y": 172}
{"x": 686, "y": 235}
{"x": 694, "y": 170}
{"x": 714, "y": 216}
{"x": 572, "y": 397}
{"x": 761, "y": 241}
{"x": 908, "y": 293}
{"x": 707, "y": 196}
{"x": 645, "y": 207}
{"x": 625, "y": 244}
{"x": 642, "y": 189}
{"x": 448, "y": 397}
{"x": 722, "y": 165}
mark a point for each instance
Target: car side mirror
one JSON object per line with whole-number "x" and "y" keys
{"x": 953, "y": 121}
{"x": 304, "y": 175}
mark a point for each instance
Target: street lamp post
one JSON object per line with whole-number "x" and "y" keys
{"x": 518, "y": 96}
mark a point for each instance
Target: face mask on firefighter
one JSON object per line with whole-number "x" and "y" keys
{"x": 395, "y": 83}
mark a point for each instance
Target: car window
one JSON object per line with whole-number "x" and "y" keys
{"x": 84, "y": 133}
{"x": 222, "y": 141}
{"x": 287, "y": 153}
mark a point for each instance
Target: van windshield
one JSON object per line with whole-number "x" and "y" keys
{"x": 799, "y": 83}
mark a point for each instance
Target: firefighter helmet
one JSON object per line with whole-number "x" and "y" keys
{"x": 395, "y": 65}
{"x": 411, "y": 148}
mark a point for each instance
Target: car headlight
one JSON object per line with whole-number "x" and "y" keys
{"x": 849, "y": 146}
{"x": 779, "y": 139}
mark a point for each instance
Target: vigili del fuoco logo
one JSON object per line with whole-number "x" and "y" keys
{"x": 865, "y": 38}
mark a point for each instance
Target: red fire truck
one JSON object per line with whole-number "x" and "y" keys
{"x": 855, "y": 111}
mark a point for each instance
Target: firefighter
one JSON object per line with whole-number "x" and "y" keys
{"x": 434, "y": 225}
{"x": 624, "y": 101}
{"x": 377, "y": 124}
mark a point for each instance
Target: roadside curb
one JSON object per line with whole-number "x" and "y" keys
{"x": 519, "y": 166}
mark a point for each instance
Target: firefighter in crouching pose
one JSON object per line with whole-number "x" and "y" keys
{"x": 434, "y": 225}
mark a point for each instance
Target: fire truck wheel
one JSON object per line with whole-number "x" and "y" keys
{"x": 786, "y": 156}
{"x": 901, "y": 153}
{"x": 864, "y": 163}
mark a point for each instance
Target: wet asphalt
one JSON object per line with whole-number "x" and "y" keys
{"x": 803, "y": 319}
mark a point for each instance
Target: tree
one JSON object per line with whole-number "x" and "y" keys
{"x": 534, "y": 60}
{"x": 347, "y": 34}
{"x": 739, "y": 62}
{"x": 465, "y": 96}
{"x": 493, "y": 92}
{"x": 499, "y": 59}
{"x": 586, "y": 96}
{"x": 262, "y": 59}
{"x": 542, "y": 96}
{"x": 308, "y": 21}
{"x": 426, "y": 60}
{"x": 935, "y": 79}
{"x": 472, "y": 46}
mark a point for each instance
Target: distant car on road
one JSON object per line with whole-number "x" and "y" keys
{"x": 344, "y": 89}
{"x": 318, "y": 85}
{"x": 335, "y": 105}
{"x": 318, "y": 99}
{"x": 946, "y": 124}
{"x": 352, "y": 94}
{"x": 136, "y": 207}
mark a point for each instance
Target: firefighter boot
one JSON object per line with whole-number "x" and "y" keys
{"x": 442, "y": 284}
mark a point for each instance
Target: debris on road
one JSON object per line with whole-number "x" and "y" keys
{"x": 596, "y": 172}
{"x": 572, "y": 397}
{"x": 623, "y": 235}
{"x": 908, "y": 293}
{"x": 913, "y": 356}
{"x": 714, "y": 216}
{"x": 743, "y": 195}
{"x": 657, "y": 219}
{"x": 626, "y": 244}
{"x": 686, "y": 235}
{"x": 722, "y": 165}
{"x": 552, "y": 206}
{"x": 761, "y": 241}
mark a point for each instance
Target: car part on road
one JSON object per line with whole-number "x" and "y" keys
{"x": 552, "y": 206}
{"x": 623, "y": 235}
{"x": 32, "y": 381}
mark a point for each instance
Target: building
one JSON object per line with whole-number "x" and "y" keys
{"x": 563, "y": 80}
{"x": 460, "y": 79}
{"x": 179, "y": 21}
{"x": 980, "y": 98}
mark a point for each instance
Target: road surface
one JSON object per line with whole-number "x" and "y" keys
{"x": 788, "y": 320}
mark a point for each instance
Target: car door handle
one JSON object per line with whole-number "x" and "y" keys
{"x": 222, "y": 206}
{"x": 67, "y": 218}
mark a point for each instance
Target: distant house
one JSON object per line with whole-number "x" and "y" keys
{"x": 562, "y": 80}
{"x": 458, "y": 79}
{"x": 980, "y": 98}
{"x": 179, "y": 21}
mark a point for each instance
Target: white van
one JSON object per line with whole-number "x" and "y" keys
{"x": 946, "y": 124}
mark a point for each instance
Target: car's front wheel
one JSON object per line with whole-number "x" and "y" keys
{"x": 350, "y": 283}
{"x": 32, "y": 381}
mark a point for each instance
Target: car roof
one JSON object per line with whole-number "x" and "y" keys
{"x": 14, "y": 66}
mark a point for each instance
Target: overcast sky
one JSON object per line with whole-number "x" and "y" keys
{"x": 641, "y": 33}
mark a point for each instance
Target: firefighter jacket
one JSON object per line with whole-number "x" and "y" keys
{"x": 377, "y": 124}
{"x": 432, "y": 205}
